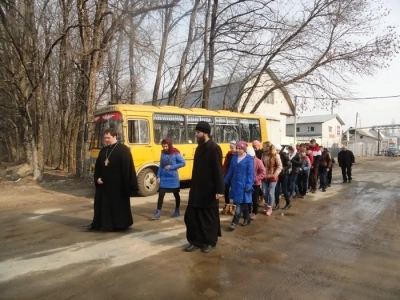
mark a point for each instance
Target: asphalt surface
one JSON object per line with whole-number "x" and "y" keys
{"x": 342, "y": 244}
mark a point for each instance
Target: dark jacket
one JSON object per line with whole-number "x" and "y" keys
{"x": 345, "y": 158}
{"x": 325, "y": 161}
{"x": 286, "y": 164}
{"x": 296, "y": 163}
{"x": 207, "y": 176}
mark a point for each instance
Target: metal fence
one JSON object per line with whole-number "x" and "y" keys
{"x": 358, "y": 149}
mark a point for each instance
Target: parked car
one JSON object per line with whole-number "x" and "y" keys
{"x": 392, "y": 152}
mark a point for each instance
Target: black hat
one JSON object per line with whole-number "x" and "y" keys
{"x": 203, "y": 126}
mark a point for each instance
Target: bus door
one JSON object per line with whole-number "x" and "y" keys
{"x": 138, "y": 140}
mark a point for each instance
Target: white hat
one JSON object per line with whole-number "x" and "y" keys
{"x": 278, "y": 147}
{"x": 250, "y": 151}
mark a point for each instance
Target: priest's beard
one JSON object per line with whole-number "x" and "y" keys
{"x": 201, "y": 140}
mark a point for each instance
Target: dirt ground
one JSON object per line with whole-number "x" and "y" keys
{"x": 342, "y": 244}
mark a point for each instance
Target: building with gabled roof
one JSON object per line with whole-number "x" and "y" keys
{"x": 325, "y": 129}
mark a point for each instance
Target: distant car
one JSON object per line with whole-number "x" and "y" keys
{"x": 392, "y": 152}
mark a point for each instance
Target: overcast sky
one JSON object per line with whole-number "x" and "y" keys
{"x": 385, "y": 83}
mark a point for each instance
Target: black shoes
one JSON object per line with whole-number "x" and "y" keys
{"x": 349, "y": 180}
{"x": 344, "y": 181}
{"x": 276, "y": 206}
{"x": 191, "y": 248}
{"x": 90, "y": 227}
{"x": 287, "y": 206}
{"x": 324, "y": 190}
{"x": 206, "y": 248}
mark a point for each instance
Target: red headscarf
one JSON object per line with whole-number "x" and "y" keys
{"x": 171, "y": 149}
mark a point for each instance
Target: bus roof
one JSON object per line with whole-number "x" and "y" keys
{"x": 173, "y": 109}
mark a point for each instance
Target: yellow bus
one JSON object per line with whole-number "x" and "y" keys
{"x": 142, "y": 127}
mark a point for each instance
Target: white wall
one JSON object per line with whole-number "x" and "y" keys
{"x": 334, "y": 137}
{"x": 274, "y": 113}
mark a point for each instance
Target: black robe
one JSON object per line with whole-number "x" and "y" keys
{"x": 202, "y": 215}
{"x": 112, "y": 207}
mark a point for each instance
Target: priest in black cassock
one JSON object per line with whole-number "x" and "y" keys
{"x": 115, "y": 180}
{"x": 202, "y": 214}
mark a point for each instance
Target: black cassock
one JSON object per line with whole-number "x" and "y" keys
{"x": 202, "y": 215}
{"x": 112, "y": 207}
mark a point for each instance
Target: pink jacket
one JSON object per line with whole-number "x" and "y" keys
{"x": 259, "y": 171}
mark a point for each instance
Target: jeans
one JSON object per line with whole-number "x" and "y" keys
{"x": 293, "y": 184}
{"x": 282, "y": 187}
{"x": 303, "y": 183}
{"x": 323, "y": 174}
{"x": 241, "y": 208}
{"x": 268, "y": 188}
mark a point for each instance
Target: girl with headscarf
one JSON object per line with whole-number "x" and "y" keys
{"x": 167, "y": 176}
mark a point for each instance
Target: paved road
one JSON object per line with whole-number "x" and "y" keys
{"x": 342, "y": 244}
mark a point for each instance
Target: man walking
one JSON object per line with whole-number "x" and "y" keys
{"x": 202, "y": 217}
{"x": 346, "y": 161}
{"x": 115, "y": 179}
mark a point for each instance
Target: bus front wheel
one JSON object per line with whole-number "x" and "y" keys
{"x": 147, "y": 181}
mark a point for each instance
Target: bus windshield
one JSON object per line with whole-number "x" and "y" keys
{"x": 103, "y": 122}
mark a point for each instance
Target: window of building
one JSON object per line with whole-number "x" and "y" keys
{"x": 330, "y": 129}
{"x": 227, "y": 129}
{"x": 250, "y": 130}
{"x": 361, "y": 136}
{"x": 338, "y": 131}
{"x": 297, "y": 129}
{"x": 169, "y": 126}
{"x": 138, "y": 132}
{"x": 191, "y": 126}
{"x": 270, "y": 99}
{"x": 311, "y": 128}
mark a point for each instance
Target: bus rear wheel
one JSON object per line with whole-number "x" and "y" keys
{"x": 147, "y": 181}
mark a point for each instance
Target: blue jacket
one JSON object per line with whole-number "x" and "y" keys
{"x": 169, "y": 178}
{"x": 241, "y": 179}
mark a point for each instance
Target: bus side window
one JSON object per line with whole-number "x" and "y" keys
{"x": 191, "y": 126}
{"x": 227, "y": 130}
{"x": 250, "y": 130}
{"x": 169, "y": 126}
{"x": 138, "y": 132}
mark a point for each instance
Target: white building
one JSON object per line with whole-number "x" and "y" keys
{"x": 230, "y": 94}
{"x": 325, "y": 129}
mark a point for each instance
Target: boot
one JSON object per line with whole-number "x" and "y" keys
{"x": 156, "y": 215}
{"x": 287, "y": 206}
{"x": 176, "y": 213}
{"x": 269, "y": 210}
{"x": 276, "y": 206}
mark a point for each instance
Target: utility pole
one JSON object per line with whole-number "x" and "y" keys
{"x": 295, "y": 121}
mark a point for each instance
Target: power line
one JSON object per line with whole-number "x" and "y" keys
{"x": 347, "y": 99}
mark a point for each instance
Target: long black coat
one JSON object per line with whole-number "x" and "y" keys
{"x": 345, "y": 158}
{"x": 207, "y": 176}
{"x": 112, "y": 209}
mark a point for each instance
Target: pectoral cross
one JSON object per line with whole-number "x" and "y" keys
{"x": 106, "y": 162}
